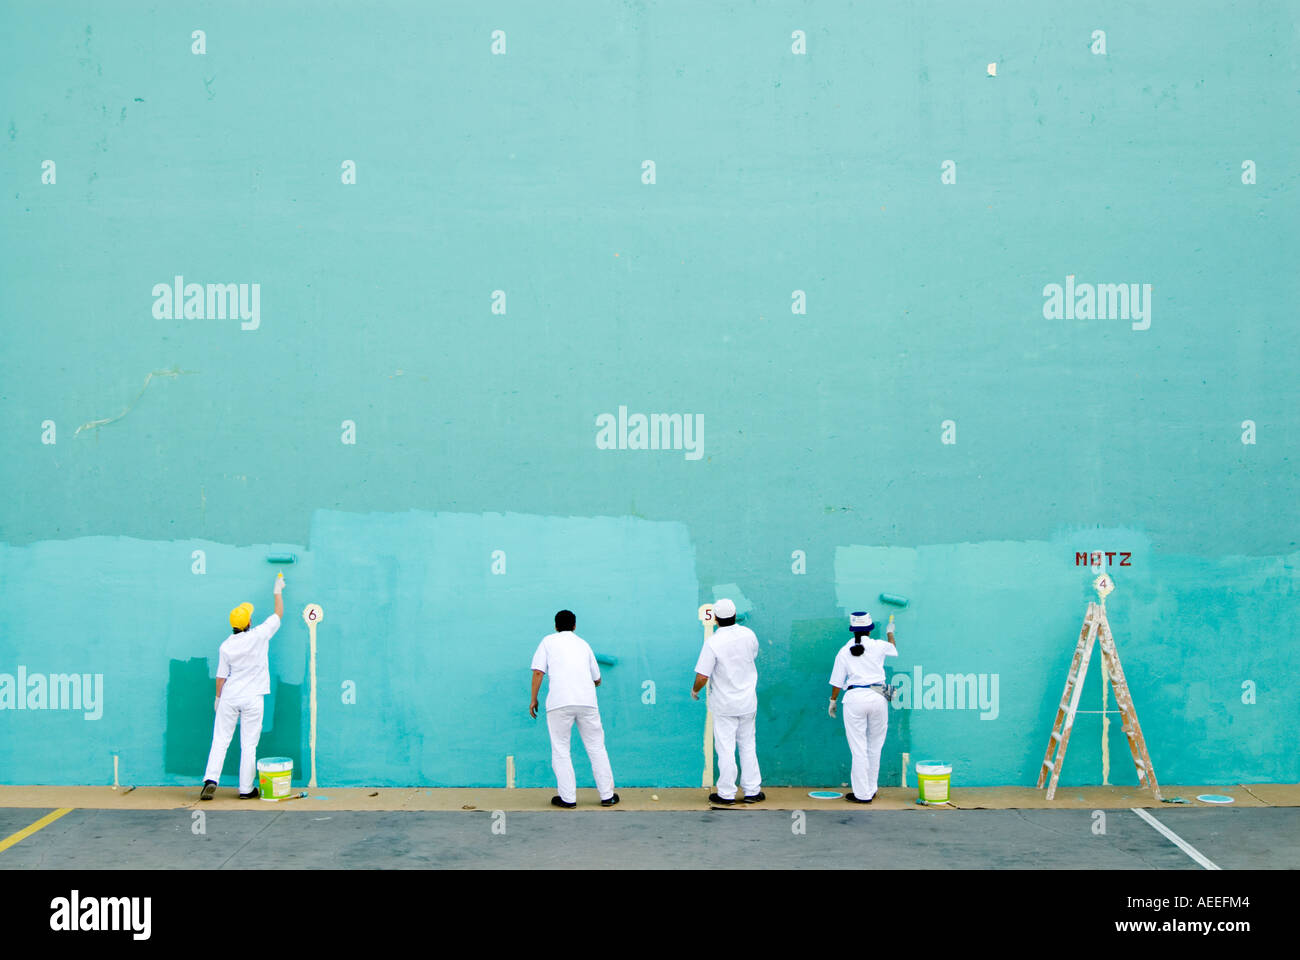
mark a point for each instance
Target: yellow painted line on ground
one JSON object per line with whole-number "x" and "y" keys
{"x": 26, "y": 832}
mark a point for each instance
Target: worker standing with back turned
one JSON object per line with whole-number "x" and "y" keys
{"x": 243, "y": 678}
{"x": 727, "y": 660}
{"x": 571, "y": 698}
{"x": 860, "y": 672}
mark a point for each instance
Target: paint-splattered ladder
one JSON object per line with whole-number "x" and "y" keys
{"x": 1137, "y": 744}
{"x": 1095, "y": 626}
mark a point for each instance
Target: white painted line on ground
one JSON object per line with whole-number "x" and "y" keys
{"x": 1176, "y": 840}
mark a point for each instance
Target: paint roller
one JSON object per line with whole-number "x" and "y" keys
{"x": 607, "y": 659}
{"x": 901, "y": 602}
{"x": 282, "y": 558}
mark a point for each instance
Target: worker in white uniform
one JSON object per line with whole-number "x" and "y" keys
{"x": 860, "y": 672}
{"x": 571, "y": 698}
{"x": 727, "y": 661}
{"x": 243, "y": 678}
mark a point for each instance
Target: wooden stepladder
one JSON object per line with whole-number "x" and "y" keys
{"x": 1096, "y": 628}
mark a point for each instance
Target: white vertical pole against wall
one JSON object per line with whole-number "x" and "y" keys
{"x": 1105, "y": 727}
{"x": 1103, "y": 585}
{"x": 706, "y": 617}
{"x": 313, "y": 615}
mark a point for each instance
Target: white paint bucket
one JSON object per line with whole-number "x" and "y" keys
{"x": 932, "y": 778}
{"x": 274, "y": 776}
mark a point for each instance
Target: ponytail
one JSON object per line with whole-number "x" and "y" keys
{"x": 857, "y": 647}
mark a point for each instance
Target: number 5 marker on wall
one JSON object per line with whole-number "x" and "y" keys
{"x": 706, "y": 617}
{"x": 312, "y": 615}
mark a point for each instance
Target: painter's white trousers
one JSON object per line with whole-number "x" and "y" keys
{"x": 866, "y": 719}
{"x": 248, "y": 712}
{"x": 561, "y": 720}
{"x": 728, "y": 734}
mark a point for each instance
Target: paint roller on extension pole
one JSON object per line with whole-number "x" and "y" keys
{"x": 901, "y": 602}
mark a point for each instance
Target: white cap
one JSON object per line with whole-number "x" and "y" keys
{"x": 861, "y": 620}
{"x": 724, "y": 609}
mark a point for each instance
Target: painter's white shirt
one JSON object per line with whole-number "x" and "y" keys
{"x": 571, "y": 666}
{"x": 727, "y": 659}
{"x": 869, "y": 668}
{"x": 243, "y": 661}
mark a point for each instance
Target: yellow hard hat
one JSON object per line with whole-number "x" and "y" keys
{"x": 241, "y": 616}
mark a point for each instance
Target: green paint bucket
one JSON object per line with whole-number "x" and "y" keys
{"x": 932, "y": 778}
{"x": 273, "y": 777}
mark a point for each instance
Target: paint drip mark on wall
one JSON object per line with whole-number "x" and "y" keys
{"x": 173, "y": 373}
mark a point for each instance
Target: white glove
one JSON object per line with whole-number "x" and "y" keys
{"x": 279, "y": 583}
{"x": 831, "y": 711}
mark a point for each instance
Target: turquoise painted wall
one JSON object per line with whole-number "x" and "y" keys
{"x": 476, "y": 430}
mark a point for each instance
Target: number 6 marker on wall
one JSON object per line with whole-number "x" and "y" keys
{"x": 312, "y": 615}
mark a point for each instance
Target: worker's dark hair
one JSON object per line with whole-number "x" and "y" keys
{"x": 243, "y": 629}
{"x": 857, "y": 647}
{"x": 726, "y": 621}
{"x": 565, "y": 620}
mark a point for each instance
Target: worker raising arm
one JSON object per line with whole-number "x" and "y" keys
{"x": 860, "y": 671}
{"x": 243, "y": 678}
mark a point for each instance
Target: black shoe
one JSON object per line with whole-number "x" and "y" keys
{"x": 610, "y": 801}
{"x": 714, "y": 798}
{"x": 756, "y": 798}
{"x": 255, "y": 794}
{"x": 209, "y": 788}
{"x": 851, "y": 798}
{"x": 557, "y": 802}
